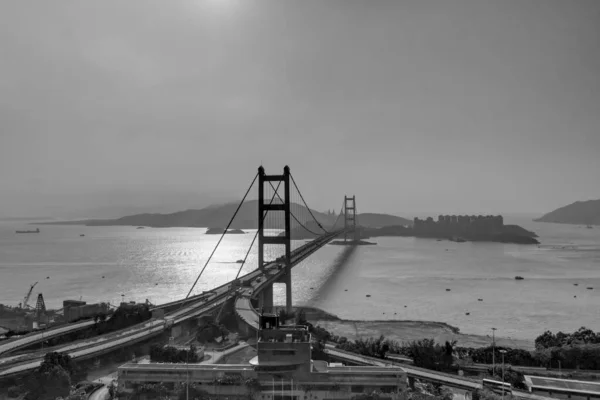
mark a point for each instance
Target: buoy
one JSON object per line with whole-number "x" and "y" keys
{"x": 575, "y": 296}
{"x": 102, "y": 276}
{"x": 345, "y": 290}
{"x": 47, "y": 277}
{"x": 404, "y": 306}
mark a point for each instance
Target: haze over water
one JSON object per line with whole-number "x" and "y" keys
{"x": 161, "y": 265}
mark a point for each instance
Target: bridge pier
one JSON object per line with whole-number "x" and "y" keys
{"x": 265, "y": 300}
{"x": 411, "y": 382}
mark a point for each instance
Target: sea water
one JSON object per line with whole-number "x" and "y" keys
{"x": 406, "y": 278}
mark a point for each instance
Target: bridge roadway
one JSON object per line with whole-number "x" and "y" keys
{"x": 14, "y": 365}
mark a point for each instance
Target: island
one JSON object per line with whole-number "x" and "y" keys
{"x": 455, "y": 228}
{"x": 220, "y": 231}
{"x": 578, "y": 213}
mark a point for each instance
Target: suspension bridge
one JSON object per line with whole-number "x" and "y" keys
{"x": 288, "y": 232}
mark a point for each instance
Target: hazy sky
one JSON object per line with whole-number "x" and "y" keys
{"x": 449, "y": 105}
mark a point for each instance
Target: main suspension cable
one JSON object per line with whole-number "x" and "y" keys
{"x": 296, "y": 219}
{"x": 306, "y": 205}
{"x": 222, "y": 236}
{"x": 250, "y": 248}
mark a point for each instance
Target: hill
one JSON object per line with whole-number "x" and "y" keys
{"x": 580, "y": 213}
{"x": 219, "y": 216}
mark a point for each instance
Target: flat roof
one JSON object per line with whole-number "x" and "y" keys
{"x": 565, "y": 385}
{"x": 182, "y": 366}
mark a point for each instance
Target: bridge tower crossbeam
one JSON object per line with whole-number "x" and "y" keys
{"x": 266, "y": 300}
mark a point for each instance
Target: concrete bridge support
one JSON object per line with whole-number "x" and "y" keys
{"x": 411, "y": 382}
{"x": 265, "y": 300}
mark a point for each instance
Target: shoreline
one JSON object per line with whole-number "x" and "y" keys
{"x": 404, "y": 331}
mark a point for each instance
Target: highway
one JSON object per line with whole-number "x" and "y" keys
{"x": 37, "y": 337}
{"x": 424, "y": 374}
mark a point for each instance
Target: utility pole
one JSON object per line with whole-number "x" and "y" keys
{"x": 493, "y": 351}
{"x": 187, "y": 376}
{"x": 503, "y": 352}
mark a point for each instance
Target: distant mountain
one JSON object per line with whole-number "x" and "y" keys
{"x": 247, "y": 218}
{"x": 580, "y": 213}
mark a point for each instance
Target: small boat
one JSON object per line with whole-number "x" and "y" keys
{"x": 479, "y": 299}
{"x": 590, "y": 288}
{"x": 240, "y": 261}
{"x": 447, "y": 290}
{"x": 519, "y": 278}
{"x": 82, "y": 234}
{"x": 467, "y": 313}
{"x": 140, "y": 227}
{"x": 368, "y": 295}
{"x": 576, "y": 284}
{"x": 590, "y": 227}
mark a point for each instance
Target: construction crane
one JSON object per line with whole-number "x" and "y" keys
{"x": 28, "y": 295}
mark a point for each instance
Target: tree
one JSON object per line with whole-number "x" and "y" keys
{"x": 48, "y": 383}
{"x": 515, "y": 378}
{"x": 301, "y": 317}
{"x": 223, "y": 331}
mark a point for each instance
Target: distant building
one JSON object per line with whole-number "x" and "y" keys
{"x": 459, "y": 225}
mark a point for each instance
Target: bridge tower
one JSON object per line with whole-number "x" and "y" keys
{"x": 266, "y": 299}
{"x": 350, "y": 218}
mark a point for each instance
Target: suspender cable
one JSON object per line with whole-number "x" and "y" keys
{"x": 306, "y": 205}
{"x": 296, "y": 219}
{"x": 222, "y": 236}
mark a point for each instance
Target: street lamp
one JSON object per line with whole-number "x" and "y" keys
{"x": 503, "y": 353}
{"x": 559, "y": 369}
{"x": 493, "y": 351}
{"x": 187, "y": 376}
